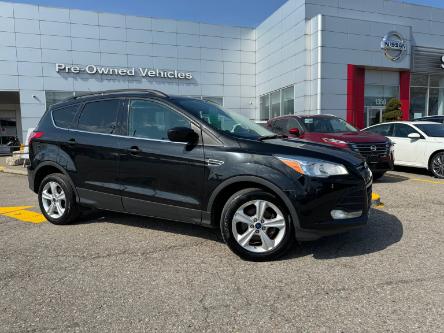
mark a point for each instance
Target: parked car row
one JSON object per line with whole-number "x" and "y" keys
{"x": 417, "y": 144}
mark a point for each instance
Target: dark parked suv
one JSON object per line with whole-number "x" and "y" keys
{"x": 184, "y": 159}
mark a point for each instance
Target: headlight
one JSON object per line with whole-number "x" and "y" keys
{"x": 338, "y": 142}
{"x": 313, "y": 167}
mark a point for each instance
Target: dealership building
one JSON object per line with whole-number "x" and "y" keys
{"x": 341, "y": 57}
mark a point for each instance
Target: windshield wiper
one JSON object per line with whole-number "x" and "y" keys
{"x": 274, "y": 136}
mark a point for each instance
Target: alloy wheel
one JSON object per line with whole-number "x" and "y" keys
{"x": 438, "y": 165}
{"x": 258, "y": 226}
{"x": 54, "y": 199}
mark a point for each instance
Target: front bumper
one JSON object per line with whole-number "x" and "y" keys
{"x": 314, "y": 207}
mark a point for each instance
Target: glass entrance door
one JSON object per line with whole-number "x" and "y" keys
{"x": 373, "y": 115}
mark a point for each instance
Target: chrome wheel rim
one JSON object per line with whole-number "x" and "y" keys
{"x": 258, "y": 226}
{"x": 53, "y": 200}
{"x": 438, "y": 165}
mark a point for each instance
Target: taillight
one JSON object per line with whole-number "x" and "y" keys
{"x": 35, "y": 135}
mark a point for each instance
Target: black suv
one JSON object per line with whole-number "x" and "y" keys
{"x": 184, "y": 159}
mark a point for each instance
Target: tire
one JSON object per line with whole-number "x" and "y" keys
{"x": 436, "y": 165}
{"x": 377, "y": 175}
{"x": 278, "y": 239}
{"x": 64, "y": 206}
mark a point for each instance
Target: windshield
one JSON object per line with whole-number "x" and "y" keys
{"x": 327, "y": 125}
{"x": 435, "y": 130}
{"x": 227, "y": 122}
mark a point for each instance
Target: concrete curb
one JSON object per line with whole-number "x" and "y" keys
{"x": 13, "y": 171}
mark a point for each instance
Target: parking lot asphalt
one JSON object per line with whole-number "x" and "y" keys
{"x": 125, "y": 273}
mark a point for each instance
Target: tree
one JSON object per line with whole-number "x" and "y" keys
{"x": 392, "y": 110}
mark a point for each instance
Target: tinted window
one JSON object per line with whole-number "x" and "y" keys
{"x": 230, "y": 123}
{"x": 152, "y": 120}
{"x": 293, "y": 123}
{"x": 384, "y": 129}
{"x": 403, "y": 131}
{"x": 435, "y": 130}
{"x": 99, "y": 117}
{"x": 63, "y": 117}
{"x": 327, "y": 125}
{"x": 279, "y": 126}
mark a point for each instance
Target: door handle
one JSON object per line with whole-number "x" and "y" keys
{"x": 72, "y": 141}
{"x": 134, "y": 150}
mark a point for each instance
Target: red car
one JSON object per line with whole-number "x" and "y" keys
{"x": 377, "y": 149}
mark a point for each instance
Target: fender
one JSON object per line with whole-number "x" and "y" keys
{"x": 61, "y": 169}
{"x": 260, "y": 181}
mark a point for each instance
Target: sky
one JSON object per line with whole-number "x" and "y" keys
{"x": 249, "y": 13}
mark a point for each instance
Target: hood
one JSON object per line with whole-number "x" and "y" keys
{"x": 298, "y": 147}
{"x": 349, "y": 137}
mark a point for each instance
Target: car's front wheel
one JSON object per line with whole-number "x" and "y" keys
{"x": 436, "y": 166}
{"x": 256, "y": 225}
{"x": 57, "y": 199}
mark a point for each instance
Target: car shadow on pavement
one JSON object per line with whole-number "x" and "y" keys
{"x": 390, "y": 178}
{"x": 382, "y": 231}
{"x": 181, "y": 228}
{"x": 417, "y": 171}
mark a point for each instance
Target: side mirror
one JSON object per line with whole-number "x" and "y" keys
{"x": 294, "y": 131}
{"x": 182, "y": 134}
{"x": 414, "y": 136}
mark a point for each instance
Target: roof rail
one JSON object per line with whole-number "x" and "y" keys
{"x": 116, "y": 91}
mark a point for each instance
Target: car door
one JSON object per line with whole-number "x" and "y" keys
{"x": 160, "y": 178}
{"x": 407, "y": 151}
{"x": 94, "y": 150}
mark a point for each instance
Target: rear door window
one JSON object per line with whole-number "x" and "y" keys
{"x": 383, "y": 129}
{"x": 64, "y": 117}
{"x": 100, "y": 116}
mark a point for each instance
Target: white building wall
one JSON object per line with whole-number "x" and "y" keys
{"x": 34, "y": 38}
{"x": 280, "y": 51}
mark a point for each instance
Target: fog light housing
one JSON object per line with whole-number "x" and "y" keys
{"x": 339, "y": 214}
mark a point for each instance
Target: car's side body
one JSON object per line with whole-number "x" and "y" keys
{"x": 187, "y": 182}
{"x": 412, "y": 152}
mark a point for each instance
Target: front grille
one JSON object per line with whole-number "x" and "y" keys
{"x": 371, "y": 149}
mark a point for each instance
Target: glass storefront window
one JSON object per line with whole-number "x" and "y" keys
{"x": 436, "y": 101}
{"x": 419, "y": 80}
{"x": 418, "y": 97}
{"x": 217, "y": 100}
{"x": 437, "y": 81}
{"x": 275, "y": 104}
{"x": 265, "y": 107}
{"x": 288, "y": 100}
{"x": 379, "y": 95}
{"x": 426, "y": 95}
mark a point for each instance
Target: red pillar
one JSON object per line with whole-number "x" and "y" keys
{"x": 355, "y": 95}
{"x": 404, "y": 93}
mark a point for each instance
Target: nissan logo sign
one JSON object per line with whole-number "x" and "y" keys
{"x": 373, "y": 148}
{"x": 394, "y": 46}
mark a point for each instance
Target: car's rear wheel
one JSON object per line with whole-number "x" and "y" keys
{"x": 57, "y": 199}
{"x": 256, "y": 225}
{"x": 436, "y": 166}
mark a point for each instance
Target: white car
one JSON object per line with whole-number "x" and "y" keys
{"x": 417, "y": 144}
